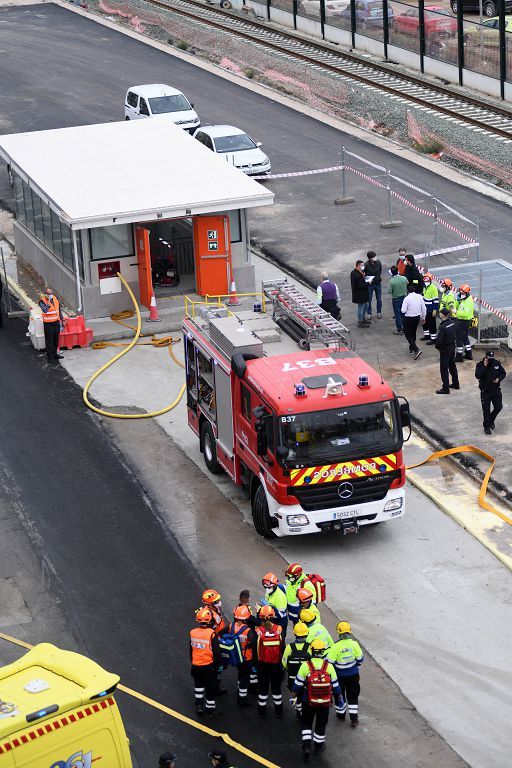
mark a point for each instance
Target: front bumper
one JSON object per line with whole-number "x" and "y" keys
{"x": 257, "y": 170}
{"x": 327, "y": 520}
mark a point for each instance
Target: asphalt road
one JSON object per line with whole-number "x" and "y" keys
{"x": 59, "y": 69}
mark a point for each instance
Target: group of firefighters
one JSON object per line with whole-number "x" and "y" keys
{"x": 459, "y": 306}
{"x": 318, "y": 670}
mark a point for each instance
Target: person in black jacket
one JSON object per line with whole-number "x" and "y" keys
{"x": 373, "y": 268}
{"x": 360, "y": 294}
{"x": 413, "y": 274}
{"x": 445, "y": 343}
{"x": 490, "y": 373}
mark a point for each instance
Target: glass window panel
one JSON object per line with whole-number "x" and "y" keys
{"x": 405, "y": 26}
{"x": 18, "y": 198}
{"x": 370, "y": 18}
{"x": 337, "y": 13}
{"x": 284, "y": 5}
{"x": 310, "y": 9}
{"x": 482, "y": 48}
{"x": 441, "y": 35}
{"x": 235, "y": 229}
{"x": 38, "y": 216}
{"x": 29, "y": 212}
{"x": 67, "y": 250}
{"x": 47, "y": 225}
{"x": 508, "y": 48}
{"x": 110, "y": 242}
{"x": 57, "y": 239}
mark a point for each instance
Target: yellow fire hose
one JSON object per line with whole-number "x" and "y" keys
{"x": 166, "y": 341}
{"x": 483, "y": 488}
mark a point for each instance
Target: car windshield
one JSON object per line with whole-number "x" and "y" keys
{"x": 236, "y": 143}
{"x": 374, "y": 6}
{"x": 162, "y": 104}
{"x": 328, "y": 436}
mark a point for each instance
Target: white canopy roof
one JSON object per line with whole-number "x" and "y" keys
{"x": 140, "y": 170}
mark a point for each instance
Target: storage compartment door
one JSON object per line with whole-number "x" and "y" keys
{"x": 224, "y": 412}
{"x": 212, "y": 255}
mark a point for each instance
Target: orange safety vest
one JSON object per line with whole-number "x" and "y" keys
{"x": 219, "y": 622}
{"x": 243, "y": 639}
{"x": 53, "y": 314}
{"x": 201, "y": 642}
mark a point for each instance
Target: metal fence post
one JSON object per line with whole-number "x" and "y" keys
{"x": 436, "y": 226}
{"x": 390, "y": 223}
{"x": 343, "y": 199}
{"x": 479, "y": 313}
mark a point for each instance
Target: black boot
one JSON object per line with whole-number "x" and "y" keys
{"x": 454, "y": 386}
{"x": 306, "y": 751}
{"x": 442, "y": 391}
{"x": 319, "y": 747}
{"x": 244, "y": 702}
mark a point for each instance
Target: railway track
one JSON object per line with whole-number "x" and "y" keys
{"x": 459, "y": 108}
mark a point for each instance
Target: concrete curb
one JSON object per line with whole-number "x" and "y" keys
{"x": 424, "y": 488}
{"x": 375, "y": 140}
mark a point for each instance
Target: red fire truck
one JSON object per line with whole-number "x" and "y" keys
{"x": 313, "y": 437}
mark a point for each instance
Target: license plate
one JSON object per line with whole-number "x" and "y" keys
{"x": 342, "y": 513}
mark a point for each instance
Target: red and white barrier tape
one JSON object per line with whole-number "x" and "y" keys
{"x": 444, "y": 251}
{"x": 299, "y": 173}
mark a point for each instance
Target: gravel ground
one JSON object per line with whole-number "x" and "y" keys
{"x": 461, "y": 148}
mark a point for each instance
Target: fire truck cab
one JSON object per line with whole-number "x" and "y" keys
{"x": 57, "y": 710}
{"x": 314, "y": 438}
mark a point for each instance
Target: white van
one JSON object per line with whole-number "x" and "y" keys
{"x": 159, "y": 99}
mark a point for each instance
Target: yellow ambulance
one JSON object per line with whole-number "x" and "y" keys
{"x": 57, "y": 710}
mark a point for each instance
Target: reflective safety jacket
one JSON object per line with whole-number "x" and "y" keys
{"x": 431, "y": 298}
{"x": 246, "y": 638}
{"x": 448, "y": 301}
{"x": 278, "y": 602}
{"x": 201, "y": 644}
{"x": 291, "y": 594}
{"x": 304, "y": 672}
{"x": 466, "y": 309}
{"x": 317, "y": 631}
{"x": 346, "y": 656}
{"x": 50, "y": 308}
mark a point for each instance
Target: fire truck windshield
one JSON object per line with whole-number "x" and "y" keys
{"x": 341, "y": 433}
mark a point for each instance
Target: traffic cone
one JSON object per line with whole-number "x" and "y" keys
{"x": 234, "y": 301}
{"x": 153, "y": 311}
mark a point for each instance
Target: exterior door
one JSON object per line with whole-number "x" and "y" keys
{"x": 212, "y": 255}
{"x": 143, "y": 253}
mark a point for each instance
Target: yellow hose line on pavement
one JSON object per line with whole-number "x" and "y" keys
{"x": 167, "y": 341}
{"x": 226, "y": 738}
{"x": 483, "y": 488}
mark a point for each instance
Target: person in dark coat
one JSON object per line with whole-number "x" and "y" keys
{"x": 413, "y": 274}
{"x": 445, "y": 344}
{"x": 373, "y": 268}
{"x": 490, "y": 373}
{"x": 360, "y": 295}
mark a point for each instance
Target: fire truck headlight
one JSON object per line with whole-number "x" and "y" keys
{"x": 297, "y": 520}
{"x": 393, "y": 504}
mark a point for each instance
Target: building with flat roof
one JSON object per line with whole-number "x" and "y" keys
{"x": 142, "y": 198}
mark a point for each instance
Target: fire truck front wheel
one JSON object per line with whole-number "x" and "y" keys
{"x": 209, "y": 449}
{"x": 263, "y": 523}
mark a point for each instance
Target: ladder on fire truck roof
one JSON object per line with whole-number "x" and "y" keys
{"x": 314, "y": 322}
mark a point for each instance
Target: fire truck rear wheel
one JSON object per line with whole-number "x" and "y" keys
{"x": 209, "y": 449}
{"x": 263, "y": 523}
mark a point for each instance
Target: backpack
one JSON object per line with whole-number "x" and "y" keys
{"x": 319, "y": 584}
{"x": 295, "y": 659}
{"x": 269, "y": 647}
{"x": 230, "y": 648}
{"x": 318, "y": 686}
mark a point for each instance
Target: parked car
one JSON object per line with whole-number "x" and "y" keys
{"x": 489, "y": 7}
{"x": 239, "y": 148}
{"x": 158, "y": 99}
{"x": 437, "y": 22}
{"x": 488, "y": 33}
{"x": 332, "y": 7}
{"x": 369, "y": 13}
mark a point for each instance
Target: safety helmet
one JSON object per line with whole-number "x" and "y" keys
{"x": 304, "y": 595}
{"x": 210, "y": 596}
{"x": 428, "y": 276}
{"x": 242, "y": 612}
{"x": 204, "y": 616}
{"x": 266, "y": 612}
{"x": 294, "y": 571}
{"x": 318, "y": 647}
{"x": 464, "y": 288}
{"x": 447, "y": 283}
{"x": 270, "y": 580}
{"x": 307, "y": 616}
{"x": 342, "y": 627}
{"x": 300, "y": 629}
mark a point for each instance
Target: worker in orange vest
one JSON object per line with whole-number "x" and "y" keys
{"x": 247, "y": 639}
{"x": 206, "y": 659}
{"x": 53, "y": 323}
{"x": 269, "y": 655}
{"x": 212, "y": 600}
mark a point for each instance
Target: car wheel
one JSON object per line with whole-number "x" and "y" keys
{"x": 454, "y": 6}
{"x": 490, "y": 9}
{"x": 209, "y": 448}
{"x": 263, "y": 523}
{"x": 225, "y": 4}
{"x": 126, "y": 118}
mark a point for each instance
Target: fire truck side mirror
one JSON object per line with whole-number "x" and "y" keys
{"x": 261, "y": 441}
{"x": 405, "y": 414}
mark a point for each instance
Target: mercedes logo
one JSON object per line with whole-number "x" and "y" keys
{"x": 345, "y": 490}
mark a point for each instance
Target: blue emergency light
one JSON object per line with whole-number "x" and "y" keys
{"x": 300, "y": 390}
